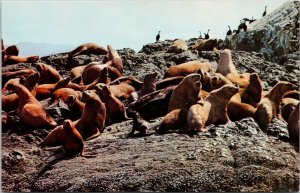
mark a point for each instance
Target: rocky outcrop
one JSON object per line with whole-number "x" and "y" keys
{"x": 273, "y": 35}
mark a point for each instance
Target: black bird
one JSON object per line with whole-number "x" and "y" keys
{"x": 252, "y": 20}
{"x": 200, "y": 37}
{"x": 265, "y": 12}
{"x": 242, "y": 26}
{"x": 158, "y": 36}
{"x": 207, "y": 35}
{"x": 229, "y": 32}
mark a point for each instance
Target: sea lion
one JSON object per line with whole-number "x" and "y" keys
{"x": 63, "y": 94}
{"x": 139, "y": 124}
{"x": 268, "y": 107}
{"x": 186, "y": 93}
{"x": 67, "y": 136}
{"x": 86, "y": 49}
{"x": 287, "y": 106}
{"x": 44, "y": 91}
{"x": 294, "y": 124}
{"x": 114, "y": 59}
{"x": 6, "y": 76}
{"x": 8, "y": 60}
{"x": 115, "y": 109}
{"x": 212, "y": 110}
{"x": 205, "y": 45}
{"x": 11, "y": 101}
{"x": 92, "y": 121}
{"x": 187, "y": 68}
{"x": 92, "y": 70}
{"x": 166, "y": 82}
{"x": 295, "y": 94}
{"x": 154, "y": 104}
{"x": 77, "y": 71}
{"x": 225, "y": 64}
{"x": 239, "y": 79}
{"x": 175, "y": 119}
{"x": 31, "y": 111}
{"x": 75, "y": 106}
{"x": 148, "y": 87}
{"x": 252, "y": 94}
{"x": 178, "y": 46}
{"x": 122, "y": 91}
{"x": 131, "y": 80}
{"x": 48, "y": 74}
{"x": 11, "y": 81}
{"x": 237, "y": 110}
{"x": 12, "y": 50}
{"x": 217, "y": 81}
{"x": 103, "y": 77}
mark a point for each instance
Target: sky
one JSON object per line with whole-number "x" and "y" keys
{"x": 123, "y": 23}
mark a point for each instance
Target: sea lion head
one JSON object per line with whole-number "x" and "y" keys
{"x": 228, "y": 91}
{"x": 33, "y": 58}
{"x": 150, "y": 77}
{"x": 68, "y": 124}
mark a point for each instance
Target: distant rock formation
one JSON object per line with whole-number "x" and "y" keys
{"x": 274, "y": 35}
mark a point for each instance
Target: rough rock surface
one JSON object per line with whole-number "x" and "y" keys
{"x": 237, "y": 156}
{"x": 273, "y": 35}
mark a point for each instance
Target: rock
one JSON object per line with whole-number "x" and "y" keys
{"x": 273, "y": 35}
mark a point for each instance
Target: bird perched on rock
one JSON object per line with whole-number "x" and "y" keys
{"x": 200, "y": 37}
{"x": 265, "y": 12}
{"x": 252, "y": 20}
{"x": 207, "y": 35}
{"x": 158, "y": 36}
{"x": 229, "y": 32}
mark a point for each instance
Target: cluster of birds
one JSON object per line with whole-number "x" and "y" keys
{"x": 241, "y": 27}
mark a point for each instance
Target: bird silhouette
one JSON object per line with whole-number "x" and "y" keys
{"x": 265, "y": 12}
{"x": 229, "y": 32}
{"x": 158, "y": 36}
{"x": 207, "y": 35}
{"x": 200, "y": 35}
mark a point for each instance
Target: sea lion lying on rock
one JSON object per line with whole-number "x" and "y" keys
{"x": 268, "y": 107}
{"x": 187, "y": 68}
{"x": 178, "y": 46}
{"x": 31, "y": 111}
{"x": 48, "y": 75}
{"x": 9, "y": 60}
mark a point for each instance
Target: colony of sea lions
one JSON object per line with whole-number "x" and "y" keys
{"x": 189, "y": 97}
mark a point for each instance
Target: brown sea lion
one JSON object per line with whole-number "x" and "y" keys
{"x": 11, "y": 101}
{"x": 176, "y": 119}
{"x": 63, "y": 94}
{"x": 92, "y": 70}
{"x": 268, "y": 107}
{"x": 92, "y": 121}
{"x": 122, "y": 91}
{"x": 12, "y": 50}
{"x": 8, "y": 60}
{"x": 86, "y": 49}
{"x": 67, "y": 136}
{"x": 239, "y": 79}
{"x": 187, "y": 68}
{"x": 287, "y": 106}
{"x": 114, "y": 59}
{"x": 48, "y": 74}
{"x": 139, "y": 124}
{"x": 294, "y": 124}
{"x": 206, "y": 45}
{"x": 154, "y": 104}
{"x": 186, "y": 93}
{"x": 75, "y": 106}
{"x": 131, "y": 80}
{"x": 77, "y": 71}
{"x": 44, "y": 91}
{"x": 237, "y": 110}
{"x": 253, "y": 93}
{"x": 115, "y": 109}
{"x": 178, "y": 46}
{"x": 11, "y": 81}
{"x": 225, "y": 64}
{"x": 148, "y": 87}
{"x": 212, "y": 110}
{"x": 295, "y": 94}
{"x": 6, "y": 76}
{"x": 31, "y": 110}
{"x": 166, "y": 82}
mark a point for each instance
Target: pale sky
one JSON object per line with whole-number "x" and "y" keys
{"x": 123, "y": 23}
